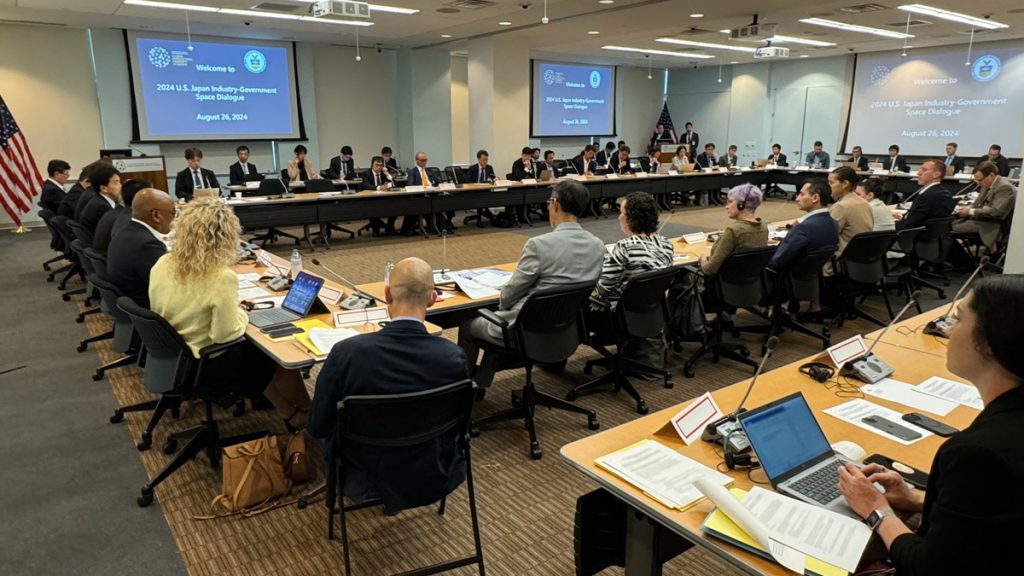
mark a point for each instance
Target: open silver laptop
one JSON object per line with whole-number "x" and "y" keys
{"x": 794, "y": 452}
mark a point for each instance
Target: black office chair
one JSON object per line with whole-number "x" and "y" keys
{"x": 641, "y": 312}
{"x": 738, "y": 284}
{"x": 172, "y": 370}
{"x": 60, "y": 224}
{"x": 903, "y": 274}
{"x": 125, "y": 340}
{"x": 85, "y": 238}
{"x": 94, "y": 262}
{"x": 548, "y": 330}
{"x": 861, "y": 271}
{"x": 932, "y": 249}
{"x": 56, "y": 244}
{"x": 396, "y": 424}
{"x": 454, "y": 174}
{"x": 324, "y": 185}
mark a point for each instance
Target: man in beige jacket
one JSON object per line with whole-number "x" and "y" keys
{"x": 991, "y": 210}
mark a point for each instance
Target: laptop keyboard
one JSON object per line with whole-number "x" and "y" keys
{"x": 271, "y": 317}
{"x": 822, "y": 485}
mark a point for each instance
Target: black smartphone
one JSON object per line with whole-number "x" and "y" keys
{"x": 930, "y": 424}
{"x": 281, "y": 331}
{"x": 912, "y": 475}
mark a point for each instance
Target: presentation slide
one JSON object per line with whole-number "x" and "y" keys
{"x": 220, "y": 89}
{"x": 932, "y": 97}
{"x": 572, "y": 99}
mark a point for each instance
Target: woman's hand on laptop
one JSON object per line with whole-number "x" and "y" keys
{"x": 900, "y": 495}
{"x": 859, "y": 491}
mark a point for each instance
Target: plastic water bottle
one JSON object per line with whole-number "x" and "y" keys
{"x": 387, "y": 271}
{"x": 296, "y": 263}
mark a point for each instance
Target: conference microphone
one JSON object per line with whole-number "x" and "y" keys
{"x": 967, "y": 189}
{"x": 141, "y": 153}
{"x": 455, "y": 175}
{"x": 441, "y": 276}
{"x": 728, "y": 427}
{"x": 868, "y": 367}
{"x": 358, "y": 299}
{"x": 574, "y": 168}
{"x": 941, "y": 325}
{"x": 671, "y": 213}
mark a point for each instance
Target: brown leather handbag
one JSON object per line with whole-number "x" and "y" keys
{"x": 253, "y": 476}
{"x": 296, "y": 459}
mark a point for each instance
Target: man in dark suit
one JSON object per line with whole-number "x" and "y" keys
{"x": 481, "y": 172}
{"x": 401, "y": 358}
{"x": 858, "y": 159}
{"x": 690, "y": 138}
{"x": 70, "y": 201}
{"x": 584, "y": 164}
{"x": 116, "y": 219}
{"x": 931, "y": 200}
{"x": 707, "y": 159}
{"x": 604, "y": 157}
{"x": 895, "y": 162}
{"x": 620, "y": 164}
{"x": 53, "y": 189}
{"x": 239, "y": 170}
{"x": 730, "y": 159}
{"x": 777, "y": 158}
{"x": 524, "y": 167}
{"x": 549, "y": 163}
{"x": 343, "y": 167}
{"x": 136, "y": 247}
{"x": 195, "y": 176}
{"x": 390, "y": 163}
{"x": 817, "y": 229}
{"x": 377, "y": 178}
{"x": 995, "y": 155}
{"x": 952, "y": 159}
{"x": 106, "y": 181}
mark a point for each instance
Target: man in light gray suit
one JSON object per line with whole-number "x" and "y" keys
{"x": 990, "y": 211}
{"x": 566, "y": 255}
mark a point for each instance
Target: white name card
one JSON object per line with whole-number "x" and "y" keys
{"x": 503, "y": 182}
{"x": 611, "y": 175}
{"x": 348, "y": 318}
{"x": 447, "y": 186}
{"x": 695, "y": 238}
{"x": 331, "y": 295}
{"x": 264, "y": 259}
{"x": 673, "y": 173}
{"x": 529, "y": 180}
{"x": 414, "y": 188}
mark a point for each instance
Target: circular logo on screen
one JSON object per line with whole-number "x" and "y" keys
{"x": 986, "y": 68}
{"x": 255, "y": 61}
{"x": 595, "y": 79}
{"x": 880, "y": 75}
{"x": 159, "y": 57}
{"x": 549, "y": 77}
{"x": 121, "y": 165}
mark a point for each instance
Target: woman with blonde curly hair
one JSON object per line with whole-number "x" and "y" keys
{"x": 194, "y": 288}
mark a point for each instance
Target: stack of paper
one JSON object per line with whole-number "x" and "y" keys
{"x": 481, "y": 282}
{"x": 323, "y": 339}
{"x": 661, "y": 472}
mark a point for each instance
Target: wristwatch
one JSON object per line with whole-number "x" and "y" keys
{"x": 874, "y": 520}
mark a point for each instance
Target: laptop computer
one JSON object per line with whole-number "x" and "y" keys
{"x": 664, "y": 167}
{"x": 270, "y": 187}
{"x": 297, "y": 304}
{"x": 254, "y": 177}
{"x": 760, "y": 162}
{"x": 794, "y": 452}
{"x": 686, "y": 168}
{"x": 546, "y": 175}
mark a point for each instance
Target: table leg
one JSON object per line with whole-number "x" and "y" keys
{"x": 641, "y": 559}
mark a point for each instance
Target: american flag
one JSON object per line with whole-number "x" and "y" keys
{"x": 20, "y": 180}
{"x": 666, "y": 122}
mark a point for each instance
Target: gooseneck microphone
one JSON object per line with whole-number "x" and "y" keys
{"x": 727, "y": 430}
{"x": 344, "y": 281}
{"x": 941, "y": 325}
{"x": 868, "y": 367}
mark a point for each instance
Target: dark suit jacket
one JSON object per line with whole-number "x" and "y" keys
{"x": 627, "y": 169}
{"x": 367, "y": 180}
{"x": 1001, "y": 162}
{"x": 694, "y": 142}
{"x": 602, "y": 159}
{"x": 132, "y": 253}
{"x": 578, "y": 163}
{"x": 727, "y": 161}
{"x": 972, "y": 516}
{"x": 93, "y": 213}
{"x": 473, "y": 174}
{"x": 50, "y": 196}
{"x": 935, "y": 202}
{"x": 862, "y": 163}
{"x": 105, "y": 228}
{"x": 183, "y": 184}
{"x": 340, "y": 169}
{"x": 519, "y": 171}
{"x": 817, "y": 231}
{"x": 70, "y": 202}
{"x": 705, "y": 161}
{"x": 392, "y": 163}
{"x": 399, "y": 359}
{"x": 87, "y": 195}
{"x": 957, "y": 164}
{"x": 413, "y": 177}
{"x": 235, "y": 174}
{"x": 901, "y": 164}
{"x": 781, "y": 161}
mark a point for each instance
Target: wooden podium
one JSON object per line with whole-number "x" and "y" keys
{"x": 150, "y": 168}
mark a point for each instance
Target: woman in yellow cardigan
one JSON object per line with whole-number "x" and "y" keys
{"x": 194, "y": 288}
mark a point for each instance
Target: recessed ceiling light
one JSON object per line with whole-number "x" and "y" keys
{"x": 392, "y": 9}
{"x": 855, "y": 28}
{"x": 725, "y": 31}
{"x": 171, "y": 5}
{"x": 446, "y": 35}
{"x": 658, "y": 52}
{"x": 734, "y": 62}
{"x": 696, "y": 15}
{"x": 606, "y": 1}
{"x": 804, "y": 56}
{"x": 794, "y": 40}
{"x": 593, "y": 32}
{"x": 504, "y": 23}
{"x": 953, "y": 16}
{"x": 707, "y": 45}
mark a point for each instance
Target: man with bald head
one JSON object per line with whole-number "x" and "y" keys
{"x": 400, "y": 358}
{"x": 139, "y": 244}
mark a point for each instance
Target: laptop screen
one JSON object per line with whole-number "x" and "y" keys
{"x": 784, "y": 434}
{"x": 300, "y": 297}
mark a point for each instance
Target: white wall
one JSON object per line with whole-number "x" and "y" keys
{"x": 461, "y": 154}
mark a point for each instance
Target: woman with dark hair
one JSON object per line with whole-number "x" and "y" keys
{"x": 973, "y": 508}
{"x": 642, "y": 250}
{"x": 870, "y": 189}
{"x": 300, "y": 168}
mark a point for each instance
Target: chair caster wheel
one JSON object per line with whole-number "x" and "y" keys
{"x": 677, "y": 347}
{"x": 572, "y": 395}
{"x": 302, "y": 504}
{"x": 642, "y": 408}
{"x": 826, "y": 344}
{"x": 79, "y": 319}
{"x": 588, "y": 369}
{"x": 474, "y": 432}
{"x": 65, "y": 297}
{"x": 239, "y": 409}
{"x": 535, "y": 451}
{"x": 145, "y": 498}
{"x": 117, "y": 417}
{"x": 144, "y": 443}
{"x": 688, "y": 372}
{"x": 170, "y": 446}
{"x": 592, "y": 423}
{"x": 97, "y": 376}
{"x": 744, "y": 352}
{"x": 942, "y": 295}
{"x": 826, "y": 333}
{"x": 82, "y": 347}
{"x": 49, "y": 278}
{"x": 668, "y": 380}
{"x": 516, "y": 400}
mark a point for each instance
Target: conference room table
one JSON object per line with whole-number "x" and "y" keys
{"x": 915, "y": 358}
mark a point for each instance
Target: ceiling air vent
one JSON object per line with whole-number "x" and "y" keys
{"x": 471, "y": 4}
{"x": 279, "y": 7}
{"x": 31, "y": 23}
{"x": 862, "y": 8}
{"x": 912, "y": 23}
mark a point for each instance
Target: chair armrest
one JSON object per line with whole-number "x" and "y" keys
{"x": 490, "y": 316}
{"x": 599, "y": 304}
{"x": 215, "y": 348}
